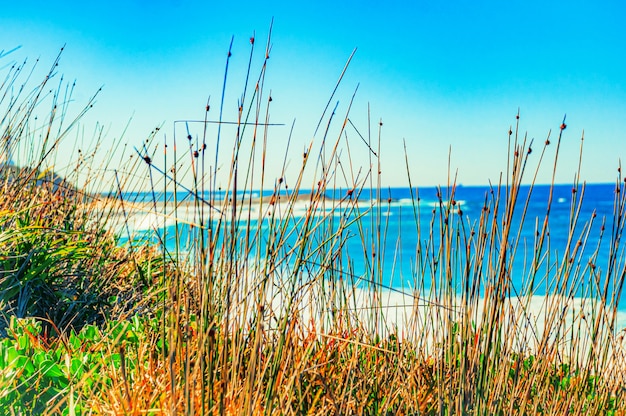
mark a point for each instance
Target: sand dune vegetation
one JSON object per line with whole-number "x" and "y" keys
{"x": 255, "y": 308}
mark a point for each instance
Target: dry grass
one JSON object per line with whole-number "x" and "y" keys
{"x": 255, "y": 308}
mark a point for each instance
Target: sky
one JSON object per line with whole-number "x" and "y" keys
{"x": 445, "y": 78}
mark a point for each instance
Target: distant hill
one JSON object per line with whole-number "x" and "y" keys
{"x": 49, "y": 179}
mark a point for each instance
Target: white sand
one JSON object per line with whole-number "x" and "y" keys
{"x": 528, "y": 322}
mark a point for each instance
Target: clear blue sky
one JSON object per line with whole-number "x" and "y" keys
{"x": 439, "y": 74}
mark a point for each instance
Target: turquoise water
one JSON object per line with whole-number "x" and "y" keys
{"x": 391, "y": 242}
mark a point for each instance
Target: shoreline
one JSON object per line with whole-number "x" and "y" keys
{"x": 141, "y": 218}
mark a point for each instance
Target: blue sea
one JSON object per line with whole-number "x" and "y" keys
{"x": 399, "y": 237}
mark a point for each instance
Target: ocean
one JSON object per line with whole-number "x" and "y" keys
{"x": 399, "y": 238}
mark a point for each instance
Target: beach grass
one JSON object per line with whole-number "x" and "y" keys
{"x": 255, "y": 308}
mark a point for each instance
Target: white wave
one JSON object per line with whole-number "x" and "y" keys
{"x": 437, "y": 204}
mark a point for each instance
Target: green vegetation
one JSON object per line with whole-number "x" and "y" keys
{"x": 262, "y": 314}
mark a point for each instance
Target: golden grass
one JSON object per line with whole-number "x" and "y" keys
{"x": 259, "y": 312}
